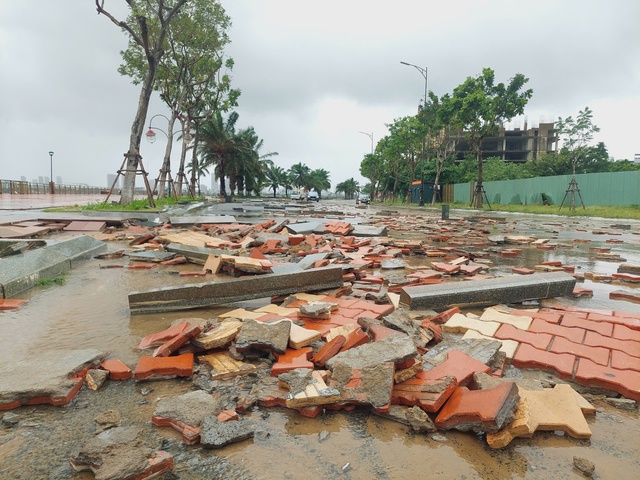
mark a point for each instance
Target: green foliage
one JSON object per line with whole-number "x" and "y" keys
{"x": 137, "y": 204}
{"x": 47, "y": 282}
{"x": 349, "y": 187}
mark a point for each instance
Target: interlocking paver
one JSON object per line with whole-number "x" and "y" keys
{"x": 528, "y": 356}
{"x": 554, "y": 409}
{"x": 519, "y": 321}
{"x": 460, "y": 323}
{"x": 117, "y": 369}
{"x": 574, "y": 334}
{"x": 292, "y": 359}
{"x": 180, "y": 366}
{"x": 509, "y": 347}
{"x": 458, "y": 365}
{"x": 630, "y": 322}
{"x": 479, "y": 410}
{"x": 538, "y": 340}
{"x": 625, "y": 382}
{"x": 622, "y": 361}
{"x": 427, "y": 393}
{"x": 628, "y": 346}
{"x": 599, "y": 355}
{"x": 572, "y": 320}
{"x": 622, "y": 332}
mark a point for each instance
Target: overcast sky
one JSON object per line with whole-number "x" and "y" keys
{"x": 313, "y": 75}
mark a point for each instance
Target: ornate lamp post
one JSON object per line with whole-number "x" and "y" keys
{"x": 52, "y": 186}
{"x": 424, "y": 72}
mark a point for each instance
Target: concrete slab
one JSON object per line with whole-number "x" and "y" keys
{"x": 218, "y": 293}
{"x": 179, "y": 220}
{"x": 305, "y": 227}
{"x": 27, "y": 382}
{"x": 394, "y": 348}
{"x": 491, "y": 291}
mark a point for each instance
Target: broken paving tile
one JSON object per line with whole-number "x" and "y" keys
{"x": 26, "y": 382}
{"x": 185, "y": 413}
{"x": 269, "y": 337}
{"x": 427, "y": 393}
{"x": 458, "y": 365}
{"x": 554, "y": 409}
{"x": 307, "y": 389}
{"x": 154, "y": 340}
{"x": 301, "y": 337}
{"x": 460, "y": 323}
{"x": 164, "y": 367}
{"x": 216, "y": 434}
{"x": 292, "y": 359}
{"x": 175, "y": 343}
{"x": 394, "y": 348}
{"x": 221, "y": 336}
{"x": 117, "y": 369}
{"x": 369, "y": 385}
{"x": 479, "y": 410}
{"x": 328, "y": 350}
{"x": 120, "y": 453}
{"x": 224, "y": 365}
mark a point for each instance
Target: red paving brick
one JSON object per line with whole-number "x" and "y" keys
{"x": 622, "y": 361}
{"x": 625, "y": 382}
{"x": 117, "y": 369}
{"x": 11, "y": 303}
{"x": 328, "y": 350}
{"x": 633, "y": 323}
{"x": 485, "y": 406}
{"x": 425, "y": 393}
{"x": 190, "y": 434}
{"x": 573, "y": 334}
{"x": 625, "y": 333}
{"x": 538, "y": 340}
{"x": 458, "y": 365}
{"x": 528, "y": 356}
{"x": 628, "y": 346}
{"x": 175, "y": 343}
{"x": 180, "y": 366}
{"x": 571, "y": 320}
{"x": 292, "y": 359}
{"x": 355, "y": 339}
{"x": 599, "y": 355}
{"x": 154, "y": 340}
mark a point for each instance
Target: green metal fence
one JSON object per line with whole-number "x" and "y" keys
{"x": 602, "y": 189}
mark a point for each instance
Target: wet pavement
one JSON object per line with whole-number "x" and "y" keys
{"x": 91, "y": 311}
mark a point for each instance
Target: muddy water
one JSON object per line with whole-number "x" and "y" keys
{"x": 90, "y": 311}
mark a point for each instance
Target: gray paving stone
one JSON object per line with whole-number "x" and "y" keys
{"x": 215, "y": 434}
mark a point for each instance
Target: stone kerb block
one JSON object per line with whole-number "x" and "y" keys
{"x": 491, "y": 291}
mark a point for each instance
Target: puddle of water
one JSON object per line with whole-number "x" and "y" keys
{"x": 91, "y": 311}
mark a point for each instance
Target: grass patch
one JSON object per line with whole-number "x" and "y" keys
{"x": 47, "y": 282}
{"x": 136, "y": 205}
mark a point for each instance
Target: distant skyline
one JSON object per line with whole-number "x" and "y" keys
{"x": 313, "y": 76}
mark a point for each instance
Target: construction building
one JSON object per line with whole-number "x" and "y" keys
{"x": 517, "y": 145}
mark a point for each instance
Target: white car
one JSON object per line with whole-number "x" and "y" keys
{"x": 313, "y": 196}
{"x": 295, "y": 196}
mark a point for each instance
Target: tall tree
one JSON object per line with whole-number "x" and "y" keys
{"x": 276, "y": 176}
{"x": 577, "y": 134}
{"x": 152, "y": 42}
{"x": 300, "y": 175}
{"x": 440, "y": 135}
{"x": 479, "y": 106}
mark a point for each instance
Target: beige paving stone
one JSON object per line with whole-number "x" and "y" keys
{"x": 276, "y": 309}
{"x": 548, "y": 409}
{"x": 220, "y": 336}
{"x": 509, "y": 347}
{"x": 344, "y": 330}
{"x": 241, "y": 314}
{"x": 460, "y": 323}
{"x": 224, "y": 366}
{"x": 518, "y": 321}
{"x": 301, "y": 337}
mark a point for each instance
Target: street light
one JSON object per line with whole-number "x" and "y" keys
{"x": 151, "y": 134}
{"x": 370, "y": 135}
{"x": 52, "y": 188}
{"x": 424, "y": 72}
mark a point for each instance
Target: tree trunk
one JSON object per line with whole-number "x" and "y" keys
{"x": 133, "y": 155}
{"x": 165, "y": 170}
{"x": 479, "y": 189}
{"x": 434, "y": 197}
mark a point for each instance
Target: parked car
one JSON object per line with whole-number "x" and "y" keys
{"x": 363, "y": 198}
{"x": 295, "y": 196}
{"x": 313, "y": 196}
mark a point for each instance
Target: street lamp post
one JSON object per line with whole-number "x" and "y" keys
{"x": 370, "y": 135}
{"x": 52, "y": 187}
{"x": 424, "y": 72}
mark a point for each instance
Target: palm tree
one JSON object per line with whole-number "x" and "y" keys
{"x": 300, "y": 174}
{"x": 276, "y": 176}
{"x": 200, "y": 171}
{"x": 319, "y": 180}
{"x": 219, "y": 145}
{"x": 349, "y": 187}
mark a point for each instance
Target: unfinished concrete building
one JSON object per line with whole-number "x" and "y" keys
{"x": 517, "y": 145}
